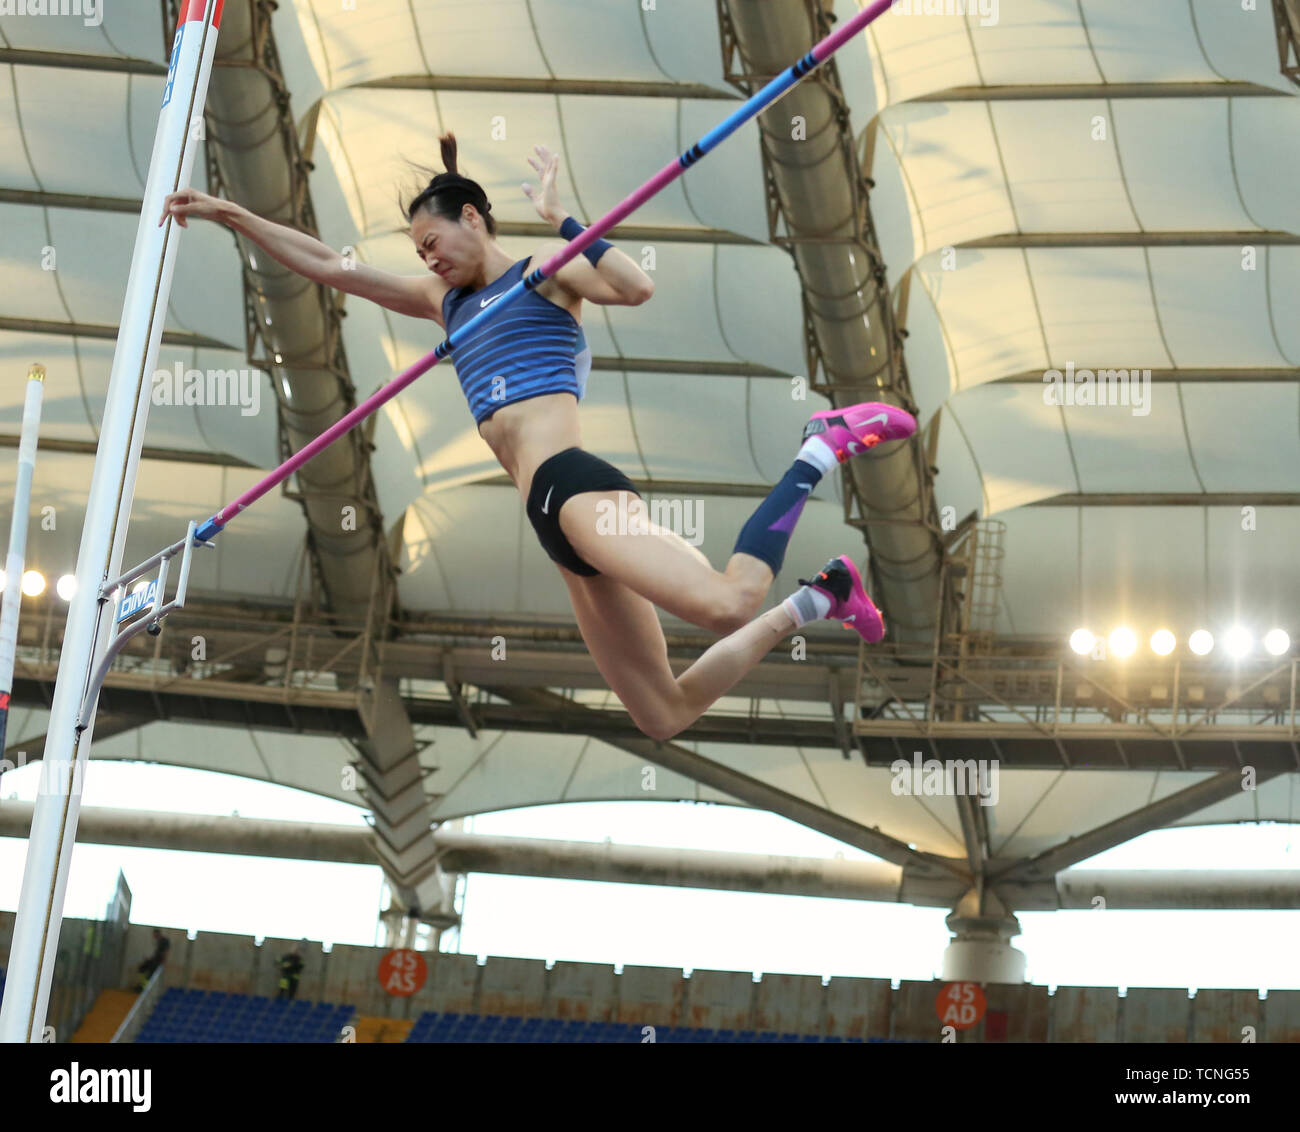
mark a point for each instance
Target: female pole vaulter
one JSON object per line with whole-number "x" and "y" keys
{"x": 524, "y": 374}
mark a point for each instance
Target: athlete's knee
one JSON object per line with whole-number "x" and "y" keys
{"x": 660, "y": 730}
{"x": 659, "y": 723}
{"x": 733, "y": 609}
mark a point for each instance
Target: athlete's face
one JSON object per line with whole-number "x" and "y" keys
{"x": 452, "y": 249}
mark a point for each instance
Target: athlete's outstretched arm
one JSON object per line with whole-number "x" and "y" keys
{"x": 417, "y": 296}
{"x": 615, "y": 280}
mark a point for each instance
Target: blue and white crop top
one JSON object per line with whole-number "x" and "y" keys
{"x": 531, "y": 348}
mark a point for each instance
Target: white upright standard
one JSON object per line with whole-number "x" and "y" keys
{"x": 103, "y": 536}
{"x": 17, "y": 557}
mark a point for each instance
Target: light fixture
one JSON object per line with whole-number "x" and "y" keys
{"x": 1237, "y": 641}
{"x": 1277, "y": 642}
{"x": 1123, "y": 642}
{"x": 1163, "y": 642}
{"x": 1201, "y": 642}
{"x": 33, "y": 583}
{"x": 66, "y": 586}
{"x": 1082, "y": 641}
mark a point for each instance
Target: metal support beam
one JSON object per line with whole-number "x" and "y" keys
{"x": 1172, "y": 499}
{"x": 1182, "y": 239}
{"x": 742, "y": 787}
{"x": 1040, "y": 92}
{"x": 1286, "y": 14}
{"x": 816, "y": 189}
{"x": 819, "y": 878}
{"x": 689, "y": 366}
{"x": 295, "y": 325}
{"x": 95, "y": 330}
{"x": 84, "y": 202}
{"x": 20, "y": 57}
{"x": 254, "y": 157}
{"x": 106, "y": 725}
{"x": 502, "y": 84}
{"x": 640, "y": 233}
{"x": 1268, "y": 374}
{"x": 1157, "y": 815}
{"x": 167, "y": 455}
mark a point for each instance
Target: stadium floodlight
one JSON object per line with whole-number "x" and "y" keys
{"x": 1201, "y": 642}
{"x": 66, "y": 586}
{"x": 1163, "y": 642}
{"x": 33, "y": 583}
{"x": 1123, "y": 642}
{"x": 1082, "y": 641}
{"x": 1277, "y": 642}
{"x": 1237, "y": 641}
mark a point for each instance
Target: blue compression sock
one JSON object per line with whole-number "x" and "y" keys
{"x": 767, "y": 533}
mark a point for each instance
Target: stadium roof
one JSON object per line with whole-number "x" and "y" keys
{"x": 1099, "y": 185}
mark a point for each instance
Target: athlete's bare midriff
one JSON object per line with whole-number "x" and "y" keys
{"x": 523, "y": 435}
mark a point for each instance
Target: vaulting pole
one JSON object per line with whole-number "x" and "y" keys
{"x": 103, "y": 534}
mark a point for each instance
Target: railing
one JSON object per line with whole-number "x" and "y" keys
{"x": 135, "y": 1017}
{"x": 1042, "y": 695}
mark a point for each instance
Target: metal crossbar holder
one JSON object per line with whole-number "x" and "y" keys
{"x": 152, "y": 604}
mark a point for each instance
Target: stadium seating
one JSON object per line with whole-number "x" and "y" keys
{"x": 432, "y": 1026}
{"x": 219, "y": 1016}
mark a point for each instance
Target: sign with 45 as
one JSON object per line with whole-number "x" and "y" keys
{"x": 402, "y": 972}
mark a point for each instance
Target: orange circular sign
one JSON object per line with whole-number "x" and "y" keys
{"x": 402, "y": 972}
{"x": 960, "y": 1005}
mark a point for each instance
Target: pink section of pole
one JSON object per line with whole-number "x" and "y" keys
{"x": 669, "y": 173}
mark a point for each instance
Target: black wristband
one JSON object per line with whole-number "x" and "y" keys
{"x": 571, "y": 230}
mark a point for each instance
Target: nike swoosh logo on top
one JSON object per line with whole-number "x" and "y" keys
{"x": 547, "y": 502}
{"x": 484, "y": 302}
{"x": 850, "y": 617}
{"x": 883, "y": 418}
{"x": 805, "y": 486}
{"x": 854, "y": 448}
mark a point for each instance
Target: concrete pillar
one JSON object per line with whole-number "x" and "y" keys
{"x": 981, "y": 951}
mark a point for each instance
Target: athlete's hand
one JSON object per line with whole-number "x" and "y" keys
{"x": 545, "y": 197}
{"x": 191, "y": 203}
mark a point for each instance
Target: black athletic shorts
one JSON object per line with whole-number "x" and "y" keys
{"x": 560, "y": 477}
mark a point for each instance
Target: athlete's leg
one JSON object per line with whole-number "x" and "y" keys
{"x": 622, "y": 631}
{"x": 611, "y": 531}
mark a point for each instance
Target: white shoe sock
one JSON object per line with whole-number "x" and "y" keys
{"x": 807, "y": 604}
{"x": 819, "y": 454}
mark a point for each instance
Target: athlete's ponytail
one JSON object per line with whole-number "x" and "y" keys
{"x": 448, "y": 193}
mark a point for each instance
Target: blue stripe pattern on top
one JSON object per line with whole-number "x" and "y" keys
{"x": 532, "y": 348}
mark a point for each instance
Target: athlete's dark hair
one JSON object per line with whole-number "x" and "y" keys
{"x": 448, "y": 193}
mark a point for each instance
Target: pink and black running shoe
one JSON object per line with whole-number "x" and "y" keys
{"x": 850, "y": 431}
{"x": 840, "y": 582}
